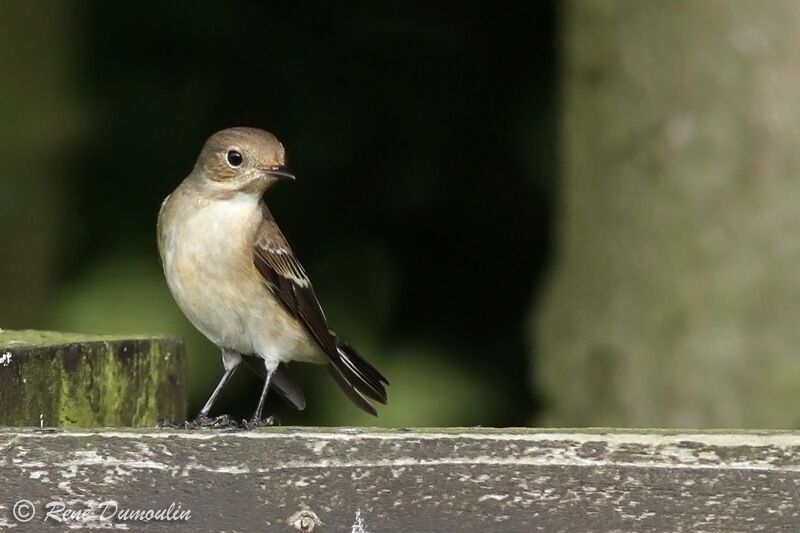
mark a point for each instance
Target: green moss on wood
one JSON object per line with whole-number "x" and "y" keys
{"x": 74, "y": 380}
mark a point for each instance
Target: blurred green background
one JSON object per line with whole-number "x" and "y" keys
{"x": 421, "y": 137}
{"x": 558, "y": 213}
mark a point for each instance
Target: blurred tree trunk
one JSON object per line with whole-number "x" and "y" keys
{"x": 39, "y": 119}
{"x": 674, "y": 298}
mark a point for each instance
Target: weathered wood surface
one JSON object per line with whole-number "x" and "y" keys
{"x": 462, "y": 480}
{"x": 63, "y": 379}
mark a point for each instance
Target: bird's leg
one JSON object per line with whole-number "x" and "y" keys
{"x": 231, "y": 361}
{"x": 256, "y": 420}
{"x": 202, "y": 419}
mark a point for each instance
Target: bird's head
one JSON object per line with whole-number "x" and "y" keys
{"x": 241, "y": 160}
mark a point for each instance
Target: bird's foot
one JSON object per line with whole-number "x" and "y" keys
{"x": 216, "y": 422}
{"x": 254, "y": 422}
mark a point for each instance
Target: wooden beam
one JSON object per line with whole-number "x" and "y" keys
{"x": 481, "y": 480}
{"x": 77, "y": 380}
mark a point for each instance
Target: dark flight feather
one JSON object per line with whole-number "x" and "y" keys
{"x": 287, "y": 280}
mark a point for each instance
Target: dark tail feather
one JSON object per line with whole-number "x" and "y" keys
{"x": 357, "y": 378}
{"x": 282, "y": 381}
{"x": 351, "y": 392}
{"x": 363, "y": 364}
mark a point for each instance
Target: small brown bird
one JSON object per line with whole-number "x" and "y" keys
{"x": 235, "y": 277}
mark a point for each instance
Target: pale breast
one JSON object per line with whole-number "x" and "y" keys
{"x": 206, "y": 249}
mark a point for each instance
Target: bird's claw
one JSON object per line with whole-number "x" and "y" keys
{"x": 217, "y": 422}
{"x": 254, "y": 422}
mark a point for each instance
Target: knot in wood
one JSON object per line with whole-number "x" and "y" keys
{"x": 304, "y": 520}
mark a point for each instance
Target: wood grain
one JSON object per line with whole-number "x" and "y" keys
{"x": 480, "y": 480}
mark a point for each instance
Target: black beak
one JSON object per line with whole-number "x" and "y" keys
{"x": 280, "y": 172}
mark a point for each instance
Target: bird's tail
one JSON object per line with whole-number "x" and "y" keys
{"x": 357, "y": 378}
{"x": 282, "y": 381}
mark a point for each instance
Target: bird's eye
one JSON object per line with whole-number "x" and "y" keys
{"x": 234, "y": 158}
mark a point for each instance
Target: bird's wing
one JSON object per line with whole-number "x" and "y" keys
{"x": 287, "y": 280}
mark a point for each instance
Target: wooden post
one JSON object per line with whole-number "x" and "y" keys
{"x": 465, "y": 480}
{"x": 62, "y": 379}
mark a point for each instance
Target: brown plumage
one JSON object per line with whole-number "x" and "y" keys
{"x": 287, "y": 280}
{"x": 236, "y": 278}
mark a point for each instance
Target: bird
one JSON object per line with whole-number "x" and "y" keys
{"x": 233, "y": 274}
